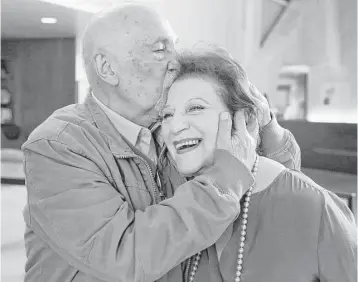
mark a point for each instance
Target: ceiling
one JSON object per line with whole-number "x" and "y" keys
{"x": 22, "y": 18}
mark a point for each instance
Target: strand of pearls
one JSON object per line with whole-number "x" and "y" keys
{"x": 240, "y": 255}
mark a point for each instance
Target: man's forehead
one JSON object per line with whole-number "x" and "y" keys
{"x": 171, "y": 32}
{"x": 158, "y": 31}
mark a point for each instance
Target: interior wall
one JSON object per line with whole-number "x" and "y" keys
{"x": 318, "y": 34}
{"x": 347, "y": 11}
{"x": 265, "y": 62}
{"x": 42, "y": 80}
{"x": 330, "y": 49}
{"x": 196, "y": 23}
{"x": 321, "y": 35}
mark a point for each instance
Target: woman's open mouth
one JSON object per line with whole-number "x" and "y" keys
{"x": 186, "y": 145}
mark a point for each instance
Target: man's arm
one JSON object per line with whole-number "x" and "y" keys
{"x": 278, "y": 143}
{"x": 76, "y": 210}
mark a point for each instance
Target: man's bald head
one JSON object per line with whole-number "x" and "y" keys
{"x": 126, "y": 51}
{"x": 114, "y": 23}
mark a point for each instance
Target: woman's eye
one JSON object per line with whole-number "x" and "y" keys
{"x": 166, "y": 116}
{"x": 196, "y": 108}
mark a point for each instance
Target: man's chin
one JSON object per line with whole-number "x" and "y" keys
{"x": 147, "y": 118}
{"x": 151, "y": 121}
{"x": 154, "y": 122}
{"x": 160, "y": 104}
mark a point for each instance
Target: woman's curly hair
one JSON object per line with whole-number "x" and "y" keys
{"x": 230, "y": 77}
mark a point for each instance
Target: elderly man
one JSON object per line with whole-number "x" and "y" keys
{"x": 98, "y": 209}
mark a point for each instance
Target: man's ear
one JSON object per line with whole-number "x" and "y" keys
{"x": 104, "y": 69}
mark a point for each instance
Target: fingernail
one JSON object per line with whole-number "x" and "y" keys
{"x": 224, "y": 116}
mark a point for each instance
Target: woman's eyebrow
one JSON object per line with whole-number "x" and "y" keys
{"x": 167, "y": 107}
{"x": 198, "y": 98}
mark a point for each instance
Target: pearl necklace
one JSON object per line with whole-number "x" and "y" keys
{"x": 240, "y": 255}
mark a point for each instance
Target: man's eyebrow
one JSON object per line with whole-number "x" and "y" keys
{"x": 166, "y": 39}
{"x": 160, "y": 39}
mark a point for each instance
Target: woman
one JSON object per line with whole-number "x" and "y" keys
{"x": 289, "y": 228}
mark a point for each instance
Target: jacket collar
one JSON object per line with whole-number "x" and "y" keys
{"x": 117, "y": 143}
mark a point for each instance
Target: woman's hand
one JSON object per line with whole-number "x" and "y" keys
{"x": 240, "y": 143}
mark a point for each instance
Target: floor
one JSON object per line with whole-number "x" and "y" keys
{"x": 13, "y": 200}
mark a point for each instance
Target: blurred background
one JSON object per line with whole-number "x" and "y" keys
{"x": 302, "y": 54}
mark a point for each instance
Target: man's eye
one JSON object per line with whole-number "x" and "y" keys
{"x": 160, "y": 48}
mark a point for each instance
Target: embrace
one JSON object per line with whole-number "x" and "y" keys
{"x": 174, "y": 170}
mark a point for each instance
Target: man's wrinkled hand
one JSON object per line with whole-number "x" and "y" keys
{"x": 263, "y": 114}
{"x": 239, "y": 143}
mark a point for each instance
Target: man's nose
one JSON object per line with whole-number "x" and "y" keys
{"x": 173, "y": 66}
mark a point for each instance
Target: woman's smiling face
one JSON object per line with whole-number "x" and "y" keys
{"x": 190, "y": 122}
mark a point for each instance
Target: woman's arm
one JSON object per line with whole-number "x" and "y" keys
{"x": 337, "y": 241}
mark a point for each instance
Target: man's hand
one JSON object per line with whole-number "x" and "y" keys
{"x": 240, "y": 143}
{"x": 264, "y": 116}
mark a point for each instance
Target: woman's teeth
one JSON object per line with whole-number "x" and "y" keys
{"x": 183, "y": 145}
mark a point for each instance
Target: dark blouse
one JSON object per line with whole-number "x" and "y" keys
{"x": 297, "y": 231}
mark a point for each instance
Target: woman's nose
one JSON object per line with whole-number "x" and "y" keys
{"x": 178, "y": 125}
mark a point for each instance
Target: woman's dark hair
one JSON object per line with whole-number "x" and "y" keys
{"x": 217, "y": 64}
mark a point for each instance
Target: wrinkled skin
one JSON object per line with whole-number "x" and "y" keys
{"x": 134, "y": 58}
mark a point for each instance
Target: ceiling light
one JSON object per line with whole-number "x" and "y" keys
{"x": 92, "y": 6}
{"x": 49, "y": 20}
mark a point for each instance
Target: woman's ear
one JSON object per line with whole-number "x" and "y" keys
{"x": 247, "y": 116}
{"x": 252, "y": 124}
